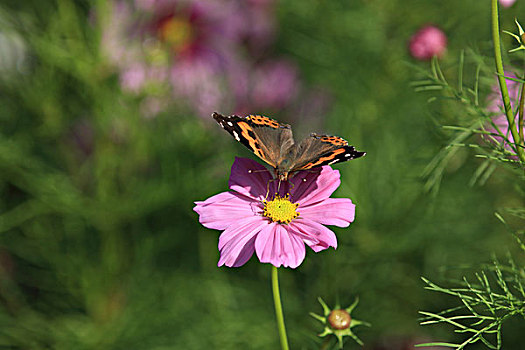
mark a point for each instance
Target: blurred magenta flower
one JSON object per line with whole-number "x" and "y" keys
{"x": 269, "y": 85}
{"x": 275, "y": 84}
{"x": 427, "y": 42}
{"x": 141, "y": 64}
{"x": 507, "y": 3}
{"x": 495, "y": 106}
{"x": 277, "y": 229}
{"x": 208, "y": 54}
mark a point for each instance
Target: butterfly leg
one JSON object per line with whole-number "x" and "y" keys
{"x": 268, "y": 188}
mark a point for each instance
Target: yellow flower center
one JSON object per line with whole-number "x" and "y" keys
{"x": 176, "y": 32}
{"x": 280, "y": 209}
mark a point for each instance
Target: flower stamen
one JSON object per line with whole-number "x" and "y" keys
{"x": 280, "y": 209}
{"x": 176, "y": 32}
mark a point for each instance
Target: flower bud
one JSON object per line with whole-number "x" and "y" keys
{"x": 507, "y": 3}
{"x": 338, "y": 322}
{"x": 339, "y": 319}
{"x": 429, "y": 41}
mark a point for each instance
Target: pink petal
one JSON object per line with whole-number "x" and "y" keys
{"x": 507, "y": 3}
{"x": 220, "y": 211}
{"x": 332, "y": 211}
{"x": 277, "y": 245}
{"x": 495, "y": 105}
{"x": 240, "y": 227}
{"x": 314, "y": 234}
{"x": 236, "y": 243}
{"x": 133, "y": 78}
{"x": 313, "y": 186}
{"x": 249, "y": 178}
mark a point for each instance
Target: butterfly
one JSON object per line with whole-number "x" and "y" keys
{"x": 273, "y": 142}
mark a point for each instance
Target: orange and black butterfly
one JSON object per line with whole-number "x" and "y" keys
{"x": 273, "y": 142}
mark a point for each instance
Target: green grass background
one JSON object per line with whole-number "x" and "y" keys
{"x": 106, "y": 252}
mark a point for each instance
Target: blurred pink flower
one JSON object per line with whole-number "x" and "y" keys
{"x": 270, "y": 85}
{"x": 259, "y": 25}
{"x": 274, "y": 84}
{"x": 133, "y": 77}
{"x": 427, "y": 42}
{"x": 495, "y": 105}
{"x": 200, "y": 81}
{"x": 140, "y": 62}
{"x": 507, "y": 3}
{"x": 204, "y": 50}
{"x": 276, "y": 230}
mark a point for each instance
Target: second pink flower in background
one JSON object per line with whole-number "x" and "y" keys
{"x": 428, "y": 42}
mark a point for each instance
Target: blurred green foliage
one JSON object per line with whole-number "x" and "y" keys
{"x": 100, "y": 248}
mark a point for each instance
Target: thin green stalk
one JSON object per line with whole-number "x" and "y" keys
{"x": 279, "y": 309}
{"x": 520, "y": 120}
{"x": 501, "y": 80}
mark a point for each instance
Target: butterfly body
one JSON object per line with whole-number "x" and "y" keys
{"x": 273, "y": 142}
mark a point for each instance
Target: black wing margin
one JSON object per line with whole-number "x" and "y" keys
{"x": 318, "y": 150}
{"x": 264, "y": 136}
{"x": 231, "y": 125}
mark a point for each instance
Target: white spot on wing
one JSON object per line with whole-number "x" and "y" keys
{"x": 230, "y": 123}
{"x": 333, "y": 161}
{"x": 236, "y": 136}
{"x": 347, "y": 155}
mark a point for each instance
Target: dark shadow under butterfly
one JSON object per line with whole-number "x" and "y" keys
{"x": 273, "y": 142}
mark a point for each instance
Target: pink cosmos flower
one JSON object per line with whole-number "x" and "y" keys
{"x": 495, "y": 105}
{"x": 429, "y": 41}
{"x": 507, "y": 3}
{"x": 278, "y": 227}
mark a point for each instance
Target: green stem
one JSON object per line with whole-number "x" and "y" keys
{"x": 520, "y": 119}
{"x": 501, "y": 80}
{"x": 279, "y": 309}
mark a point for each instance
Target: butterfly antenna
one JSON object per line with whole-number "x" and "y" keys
{"x": 250, "y": 171}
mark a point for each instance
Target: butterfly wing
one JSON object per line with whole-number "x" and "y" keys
{"x": 265, "y": 137}
{"x": 318, "y": 150}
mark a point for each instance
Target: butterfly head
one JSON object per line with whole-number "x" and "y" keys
{"x": 284, "y": 169}
{"x": 282, "y": 175}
